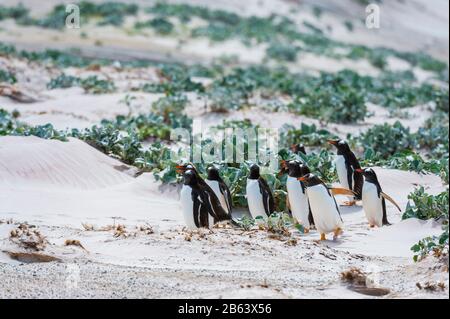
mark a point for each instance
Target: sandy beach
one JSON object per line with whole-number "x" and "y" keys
{"x": 129, "y": 233}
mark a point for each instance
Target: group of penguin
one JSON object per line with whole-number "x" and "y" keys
{"x": 310, "y": 201}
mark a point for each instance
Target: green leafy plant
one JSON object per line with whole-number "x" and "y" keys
{"x": 159, "y": 24}
{"x": 427, "y": 206}
{"x": 17, "y": 12}
{"x": 282, "y": 52}
{"x": 94, "y": 85}
{"x": 170, "y": 104}
{"x": 63, "y": 81}
{"x": 387, "y": 139}
{"x": 7, "y": 77}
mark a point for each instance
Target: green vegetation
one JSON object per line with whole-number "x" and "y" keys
{"x": 7, "y": 77}
{"x": 282, "y": 52}
{"x": 309, "y": 135}
{"x": 17, "y": 12}
{"x": 170, "y": 104}
{"x": 425, "y": 207}
{"x": 388, "y": 139}
{"x": 91, "y": 84}
{"x": 94, "y": 85}
{"x": 63, "y": 82}
{"x": 160, "y": 25}
{"x": 108, "y": 13}
{"x": 222, "y": 25}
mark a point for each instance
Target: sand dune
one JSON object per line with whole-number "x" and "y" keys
{"x": 71, "y": 182}
{"x": 33, "y": 162}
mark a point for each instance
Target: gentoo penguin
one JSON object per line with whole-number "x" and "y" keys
{"x": 324, "y": 208}
{"x": 298, "y": 149}
{"x": 374, "y": 200}
{"x": 215, "y": 208}
{"x": 259, "y": 196}
{"x": 220, "y": 188}
{"x": 298, "y": 199}
{"x": 194, "y": 202}
{"x": 346, "y": 166}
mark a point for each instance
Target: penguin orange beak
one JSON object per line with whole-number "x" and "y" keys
{"x": 283, "y": 168}
{"x": 332, "y": 142}
{"x": 359, "y": 170}
{"x": 180, "y": 169}
{"x": 302, "y": 179}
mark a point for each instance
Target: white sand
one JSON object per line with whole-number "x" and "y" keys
{"x": 66, "y": 184}
{"x": 57, "y": 186}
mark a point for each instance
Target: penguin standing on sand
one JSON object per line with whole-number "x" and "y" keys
{"x": 259, "y": 196}
{"x": 194, "y": 201}
{"x": 298, "y": 199}
{"x": 346, "y": 167}
{"x": 324, "y": 208}
{"x": 213, "y": 203}
{"x": 374, "y": 200}
{"x": 220, "y": 188}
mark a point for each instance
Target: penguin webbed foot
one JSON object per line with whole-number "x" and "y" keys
{"x": 337, "y": 233}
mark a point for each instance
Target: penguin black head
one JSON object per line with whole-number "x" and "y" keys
{"x": 310, "y": 180}
{"x": 369, "y": 175}
{"x": 341, "y": 146}
{"x": 213, "y": 173}
{"x": 294, "y": 169}
{"x": 182, "y": 168}
{"x": 298, "y": 148}
{"x": 190, "y": 178}
{"x": 304, "y": 169}
{"x": 254, "y": 172}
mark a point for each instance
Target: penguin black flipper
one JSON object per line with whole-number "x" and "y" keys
{"x": 226, "y": 194}
{"x": 385, "y": 221}
{"x": 268, "y": 201}
{"x": 358, "y": 185}
{"x": 349, "y": 175}
{"x": 213, "y": 206}
{"x": 357, "y": 179}
{"x": 200, "y": 210}
{"x": 311, "y": 217}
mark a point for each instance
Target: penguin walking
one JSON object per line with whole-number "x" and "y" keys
{"x": 213, "y": 203}
{"x": 298, "y": 199}
{"x": 259, "y": 196}
{"x": 346, "y": 167}
{"x": 194, "y": 202}
{"x": 374, "y": 200}
{"x": 220, "y": 188}
{"x": 324, "y": 208}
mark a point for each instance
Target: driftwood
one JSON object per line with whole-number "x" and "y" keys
{"x": 16, "y": 94}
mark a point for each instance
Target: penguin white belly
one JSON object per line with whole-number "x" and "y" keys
{"x": 215, "y": 187}
{"x": 255, "y": 199}
{"x": 341, "y": 169}
{"x": 372, "y": 204}
{"x": 323, "y": 208}
{"x": 298, "y": 201}
{"x": 188, "y": 206}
